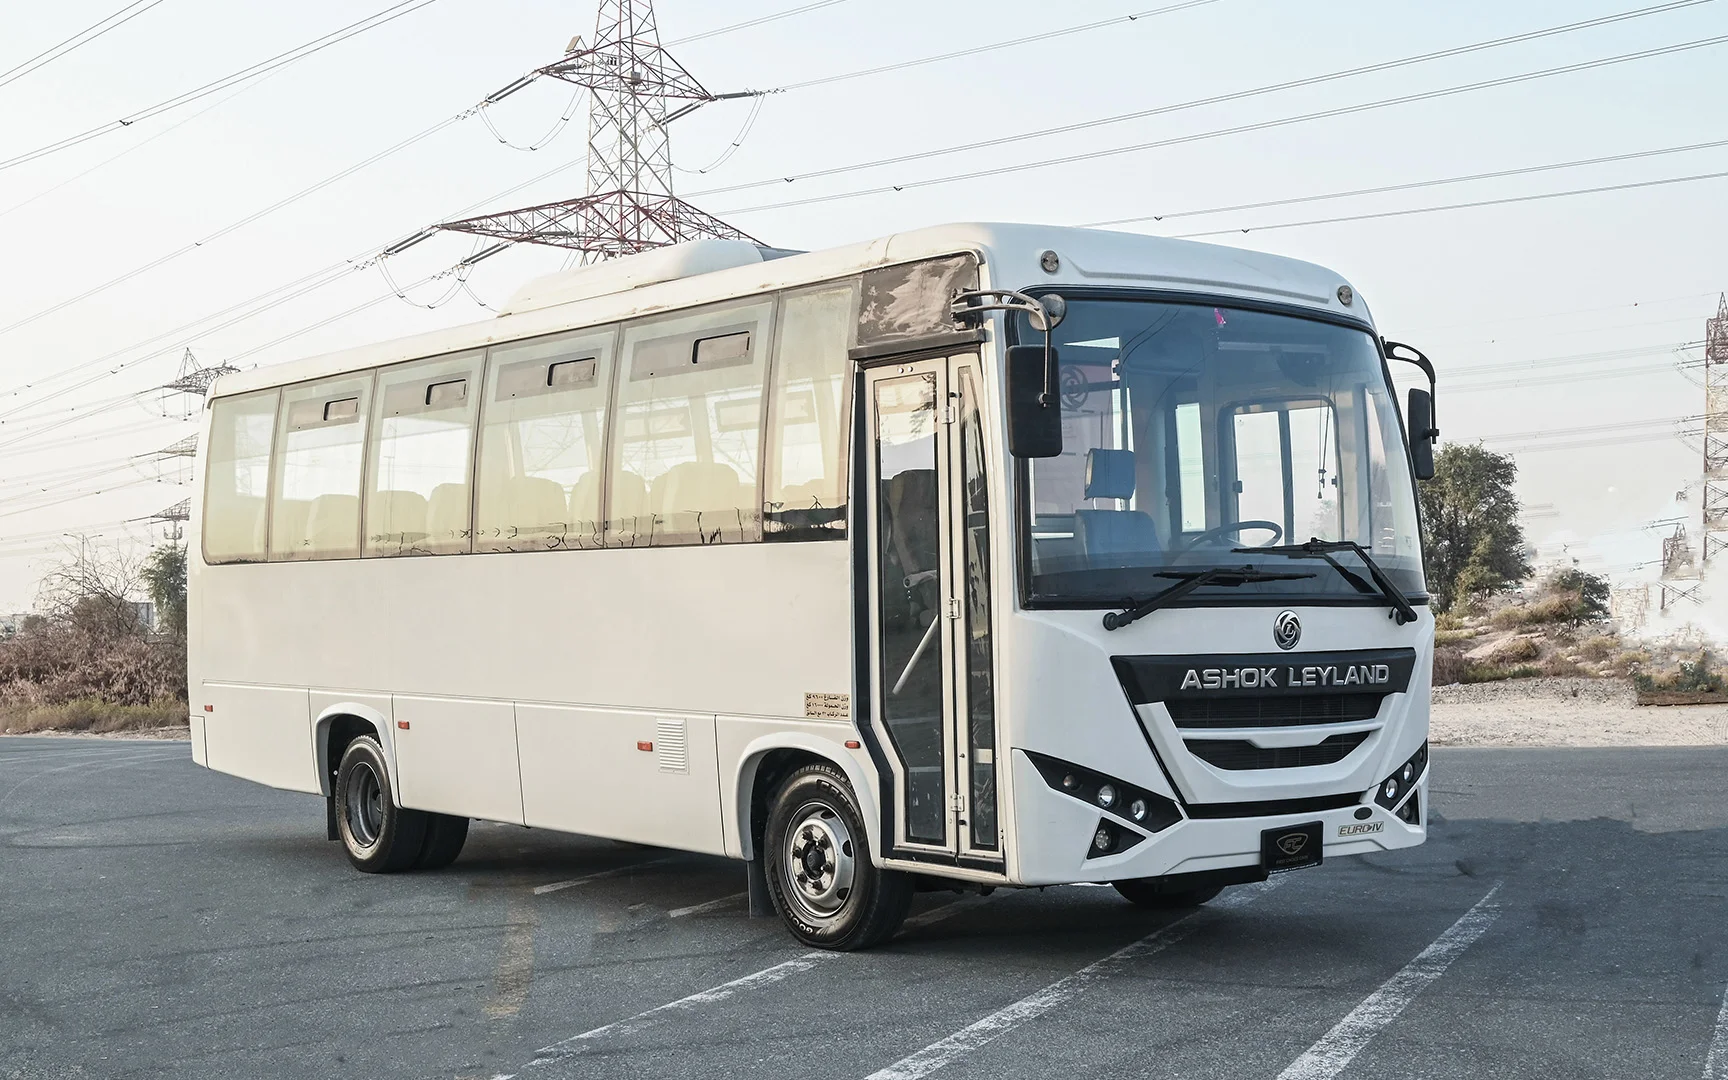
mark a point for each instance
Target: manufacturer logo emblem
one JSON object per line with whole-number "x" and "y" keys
{"x": 1292, "y": 843}
{"x": 1286, "y": 629}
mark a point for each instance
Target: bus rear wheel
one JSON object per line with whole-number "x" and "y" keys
{"x": 378, "y": 836}
{"x": 1150, "y": 893}
{"x": 816, "y": 856}
{"x": 445, "y": 835}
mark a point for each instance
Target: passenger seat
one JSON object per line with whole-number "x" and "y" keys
{"x": 1114, "y": 538}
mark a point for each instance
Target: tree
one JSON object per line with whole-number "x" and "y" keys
{"x": 1472, "y": 543}
{"x": 1591, "y": 590}
{"x": 164, "y": 574}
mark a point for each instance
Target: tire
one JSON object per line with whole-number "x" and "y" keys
{"x": 378, "y": 836}
{"x": 445, "y": 836}
{"x": 1148, "y": 893}
{"x": 816, "y": 856}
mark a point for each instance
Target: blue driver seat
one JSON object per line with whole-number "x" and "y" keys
{"x": 1113, "y": 538}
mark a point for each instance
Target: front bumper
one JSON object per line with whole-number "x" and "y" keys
{"x": 1056, "y": 833}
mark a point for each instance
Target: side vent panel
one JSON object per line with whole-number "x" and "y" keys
{"x": 672, "y": 746}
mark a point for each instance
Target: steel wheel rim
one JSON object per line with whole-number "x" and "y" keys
{"x": 365, "y": 805}
{"x": 819, "y": 861}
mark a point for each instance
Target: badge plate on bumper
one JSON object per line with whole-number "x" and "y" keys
{"x": 1292, "y": 847}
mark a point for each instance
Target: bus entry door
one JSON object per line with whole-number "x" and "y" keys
{"x": 933, "y": 706}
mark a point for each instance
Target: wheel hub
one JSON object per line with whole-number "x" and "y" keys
{"x": 819, "y": 861}
{"x": 365, "y": 817}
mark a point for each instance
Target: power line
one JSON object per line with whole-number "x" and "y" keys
{"x": 54, "y": 52}
{"x": 1027, "y": 39}
{"x": 299, "y": 52}
{"x": 1507, "y": 201}
{"x": 1415, "y": 184}
{"x": 1217, "y": 99}
{"x": 788, "y": 13}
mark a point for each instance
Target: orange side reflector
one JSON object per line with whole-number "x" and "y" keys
{"x": 853, "y": 744}
{"x": 644, "y": 744}
{"x": 403, "y": 724}
{"x": 209, "y": 708}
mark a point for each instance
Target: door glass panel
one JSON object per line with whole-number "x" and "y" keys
{"x": 980, "y": 688}
{"x": 1259, "y": 469}
{"x": 911, "y": 595}
{"x": 1314, "y": 473}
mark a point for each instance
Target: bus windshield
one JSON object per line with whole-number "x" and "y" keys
{"x": 1190, "y": 431}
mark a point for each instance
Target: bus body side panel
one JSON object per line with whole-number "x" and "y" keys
{"x": 644, "y": 777}
{"x": 261, "y": 733}
{"x": 457, "y": 756}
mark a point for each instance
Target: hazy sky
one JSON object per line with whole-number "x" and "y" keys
{"x": 1608, "y": 284}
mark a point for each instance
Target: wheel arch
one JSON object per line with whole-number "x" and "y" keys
{"x": 767, "y": 760}
{"x": 337, "y": 726}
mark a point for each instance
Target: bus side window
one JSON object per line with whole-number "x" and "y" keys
{"x": 238, "y": 477}
{"x": 543, "y": 429}
{"x": 806, "y": 467}
{"x": 417, "y": 501}
{"x": 315, "y": 512}
{"x": 688, "y": 428}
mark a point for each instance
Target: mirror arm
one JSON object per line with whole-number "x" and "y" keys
{"x": 1043, "y": 318}
{"x": 1417, "y": 359}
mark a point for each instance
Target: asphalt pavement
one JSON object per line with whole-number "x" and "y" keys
{"x": 1566, "y": 919}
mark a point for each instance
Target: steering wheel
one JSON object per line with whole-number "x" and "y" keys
{"x": 1236, "y": 527}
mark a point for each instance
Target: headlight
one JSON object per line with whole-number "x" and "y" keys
{"x": 1106, "y": 796}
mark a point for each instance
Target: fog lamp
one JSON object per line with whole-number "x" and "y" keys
{"x": 1106, "y": 796}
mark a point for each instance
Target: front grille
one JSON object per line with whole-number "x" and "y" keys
{"x": 1274, "y": 808}
{"x": 1236, "y": 755}
{"x": 1269, "y": 711}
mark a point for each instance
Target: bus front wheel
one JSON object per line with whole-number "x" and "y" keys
{"x": 378, "y": 836}
{"x": 817, "y": 861}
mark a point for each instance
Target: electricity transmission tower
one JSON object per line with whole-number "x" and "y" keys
{"x": 1716, "y": 431}
{"x": 632, "y": 85}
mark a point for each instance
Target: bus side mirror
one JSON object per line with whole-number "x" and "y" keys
{"x": 1034, "y": 428}
{"x": 1419, "y": 418}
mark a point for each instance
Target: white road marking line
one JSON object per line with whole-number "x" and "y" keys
{"x": 945, "y": 1051}
{"x": 711, "y": 905}
{"x": 1335, "y": 1050}
{"x": 557, "y": 886}
{"x": 946, "y": 911}
{"x": 576, "y": 1044}
{"x": 1716, "y": 1062}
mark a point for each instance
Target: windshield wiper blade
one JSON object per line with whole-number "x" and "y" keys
{"x": 1191, "y": 580}
{"x": 1317, "y": 548}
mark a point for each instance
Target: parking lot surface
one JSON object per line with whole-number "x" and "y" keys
{"x": 1565, "y": 919}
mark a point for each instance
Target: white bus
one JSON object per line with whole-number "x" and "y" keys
{"x": 977, "y": 556}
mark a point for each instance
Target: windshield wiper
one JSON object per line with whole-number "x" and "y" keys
{"x": 1317, "y": 548}
{"x": 1191, "y": 580}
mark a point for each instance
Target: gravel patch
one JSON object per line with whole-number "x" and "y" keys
{"x": 181, "y": 733}
{"x": 1567, "y": 712}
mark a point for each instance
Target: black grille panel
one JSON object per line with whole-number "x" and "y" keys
{"x": 1270, "y": 711}
{"x": 1236, "y": 755}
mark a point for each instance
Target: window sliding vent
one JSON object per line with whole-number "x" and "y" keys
{"x": 572, "y": 373}
{"x": 728, "y": 348}
{"x": 671, "y": 746}
{"x": 446, "y": 394}
{"x": 341, "y": 409}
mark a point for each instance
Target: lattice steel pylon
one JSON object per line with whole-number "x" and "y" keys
{"x": 1715, "y": 513}
{"x": 629, "y": 206}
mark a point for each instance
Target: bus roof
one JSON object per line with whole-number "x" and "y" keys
{"x": 651, "y": 282}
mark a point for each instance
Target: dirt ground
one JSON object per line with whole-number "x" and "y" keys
{"x": 1568, "y": 712}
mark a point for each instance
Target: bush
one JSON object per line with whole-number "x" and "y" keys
{"x": 1553, "y": 608}
{"x": 1448, "y": 666}
{"x": 1693, "y": 677}
{"x": 1600, "y": 647}
{"x": 88, "y": 714}
{"x": 1559, "y": 666}
{"x": 1513, "y": 650}
{"x": 1475, "y": 673}
{"x": 56, "y": 663}
{"x": 1447, "y": 637}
